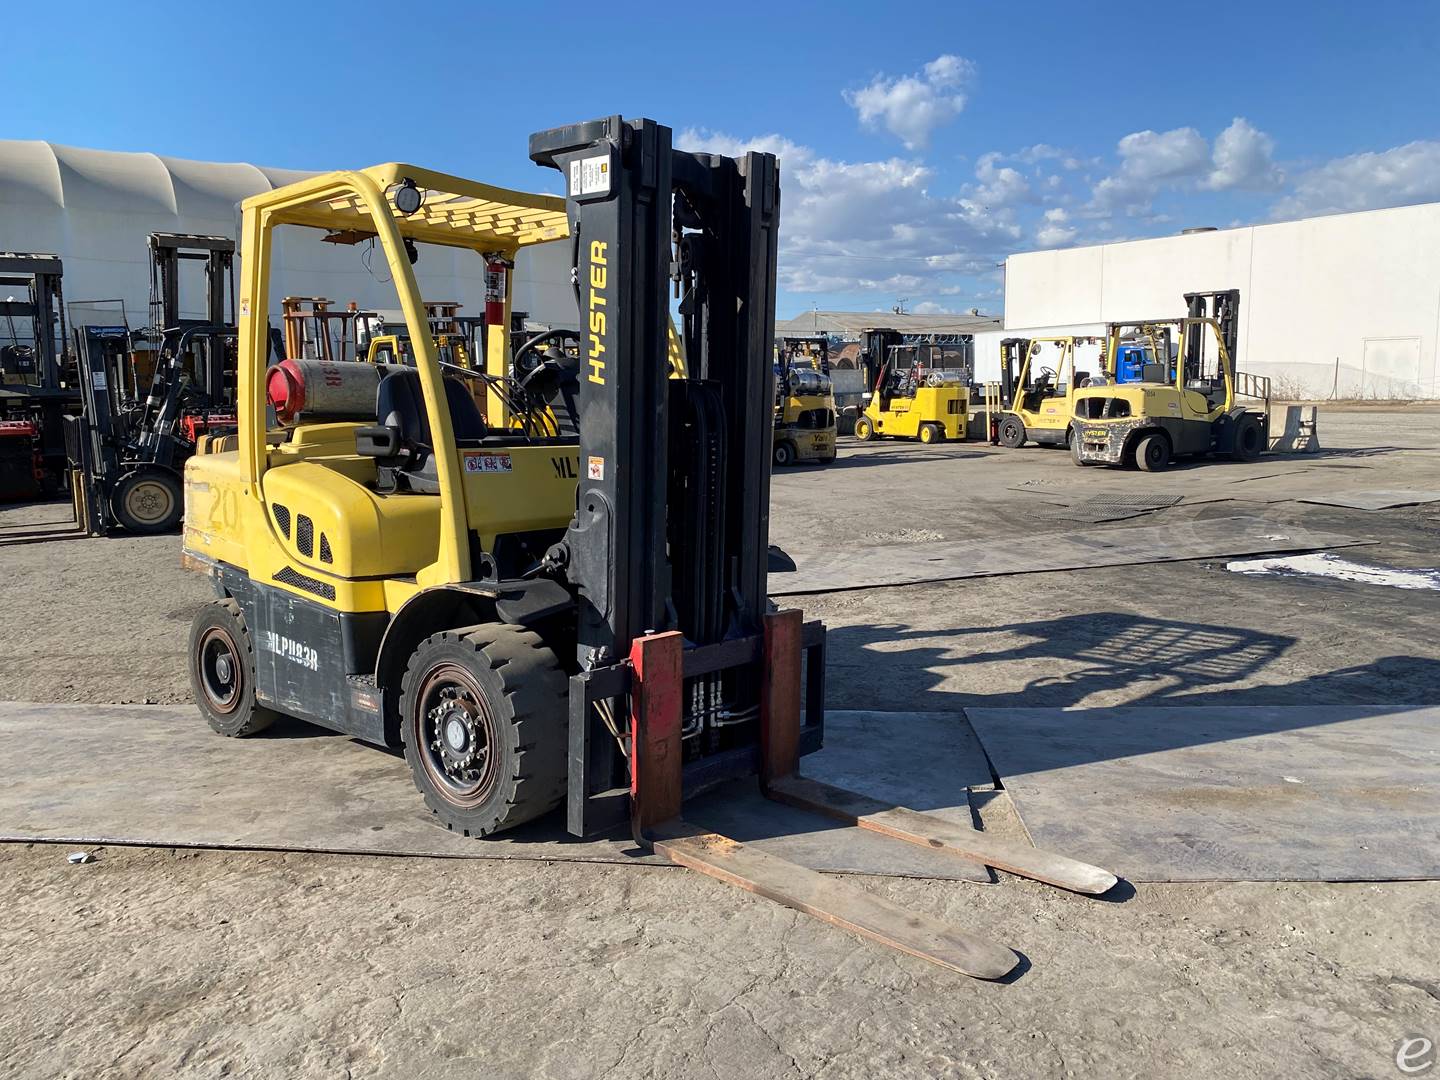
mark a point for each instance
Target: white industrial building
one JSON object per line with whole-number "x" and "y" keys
{"x": 1346, "y": 306}
{"x": 95, "y": 208}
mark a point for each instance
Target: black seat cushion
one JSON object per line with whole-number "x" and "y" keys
{"x": 400, "y": 403}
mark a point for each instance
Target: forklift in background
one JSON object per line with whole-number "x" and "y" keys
{"x": 805, "y": 426}
{"x": 1037, "y": 400}
{"x": 913, "y": 390}
{"x": 37, "y": 381}
{"x": 1185, "y": 403}
{"x": 126, "y": 452}
{"x": 542, "y": 622}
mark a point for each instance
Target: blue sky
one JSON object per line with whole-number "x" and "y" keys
{"x": 920, "y": 143}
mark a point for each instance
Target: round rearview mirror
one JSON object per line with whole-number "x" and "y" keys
{"x": 408, "y": 197}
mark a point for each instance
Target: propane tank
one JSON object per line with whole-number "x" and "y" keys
{"x": 328, "y": 389}
{"x": 806, "y": 382}
{"x": 945, "y": 378}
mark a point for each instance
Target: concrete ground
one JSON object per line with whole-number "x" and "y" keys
{"x": 158, "y": 962}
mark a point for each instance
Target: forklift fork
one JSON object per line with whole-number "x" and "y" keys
{"x": 657, "y": 821}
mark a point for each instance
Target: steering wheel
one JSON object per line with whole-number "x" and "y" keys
{"x": 542, "y": 373}
{"x": 1046, "y": 377}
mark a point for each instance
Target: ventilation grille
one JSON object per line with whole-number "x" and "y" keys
{"x": 282, "y": 518}
{"x": 325, "y": 554}
{"x": 289, "y": 576}
{"x": 305, "y": 535}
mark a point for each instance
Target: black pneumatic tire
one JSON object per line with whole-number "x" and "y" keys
{"x": 222, "y": 671}
{"x": 147, "y": 500}
{"x": 510, "y": 692}
{"x": 783, "y": 454}
{"x": 932, "y": 433}
{"x": 864, "y": 429}
{"x": 1249, "y": 439}
{"x": 1012, "y": 432}
{"x": 1152, "y": 453}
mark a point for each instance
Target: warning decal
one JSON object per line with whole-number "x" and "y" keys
{"x": 590, "y": 176}
{"x": 488, "y": 463}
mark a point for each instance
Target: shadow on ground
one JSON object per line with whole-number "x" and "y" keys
{"x": 1184, "y": 662}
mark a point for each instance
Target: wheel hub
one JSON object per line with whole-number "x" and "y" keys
{"x": 457, "y": 737}
{"x": 219, "y": 671}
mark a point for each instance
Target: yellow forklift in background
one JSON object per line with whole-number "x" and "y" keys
{"x": 805, "y": 426}
{"x": 1185, "y": 401}
{"x": 1038, "y": 399}
{"x": 910, "y": 394}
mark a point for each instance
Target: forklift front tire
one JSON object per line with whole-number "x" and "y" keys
{"x": 784, "y": 454}
{"x": 1152, "y": 453}
{"x": 864, "y": 429}
{"x": 483, "y": 716}
{"x": 1012, "y": 433}
{"x": 222, "y": 671}
{"x": 147, "y": 501}
{"x": 1249, "y": 439}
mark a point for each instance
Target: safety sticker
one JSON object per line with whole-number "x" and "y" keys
{"x": 590, "y": 176}
{"x": 487, "y": 463}
{"x": 595, "y": 468}
{"x": 495, "y": 283}
{"x": 97, "y": 380}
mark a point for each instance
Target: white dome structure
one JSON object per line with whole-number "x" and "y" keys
{"x": 95, "y": 209}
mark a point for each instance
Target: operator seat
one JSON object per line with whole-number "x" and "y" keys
{"x": 400, "y": 404}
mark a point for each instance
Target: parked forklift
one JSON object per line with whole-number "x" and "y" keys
{"x": 1037, "y": 400}
{"x": 1185, "y": 403}
{"x": 126, "y": 452}
{"x": 910, "y": 392}
{"x": 805, "y": 426}
{"x": 37, "y": 378}
{"x": 576, "y": 621}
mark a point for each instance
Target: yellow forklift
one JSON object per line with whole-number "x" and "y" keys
{"x": 547, "y": 621}
{"x": 1184, "y": 402}
{"x": 910, "y": 391}
{"x": 1038, "y": 399}
{"x": 804, "y": 402}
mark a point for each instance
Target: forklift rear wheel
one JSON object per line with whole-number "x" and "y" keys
{"x": 1152, "y": 453}
{"x": 222, "y": 671}
{"x": 483, "y": 719}
{"x": 1012, "y": 432}
{"x": 1249, "y": 439}
{"x": 147, "y": 501}
{"x": 864, "y": 429}
{"x": 932, "y": 433}
{"x": 783, "y": 454}
{"x": 1075, "y": 445}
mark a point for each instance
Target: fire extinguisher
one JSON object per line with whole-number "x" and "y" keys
{"x": 497, "y": 279}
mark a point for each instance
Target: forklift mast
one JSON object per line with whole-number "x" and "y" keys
{"x": 167, "y": 251}
{"x": 39, "y": 363}
{"x": 1013, "y": 352}
{"x": 875, "y": 346}
{"x": 630, "y": 197}
{"x": 1224, "y": 308}
{"x": 673, "y": 503}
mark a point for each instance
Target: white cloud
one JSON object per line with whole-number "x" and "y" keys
{"x": 872, "y": 226}
{"x": 999, "y": 185}
{"x": 1055, "y": 229}
{"x": 911, "y": 107}
{"x": 1243, "y": 159}
{"x": 1148, "y": 161}
{"x": 1400, "y": 176}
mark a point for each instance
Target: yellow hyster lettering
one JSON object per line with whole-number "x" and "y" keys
{"x": 598, "y": 279}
